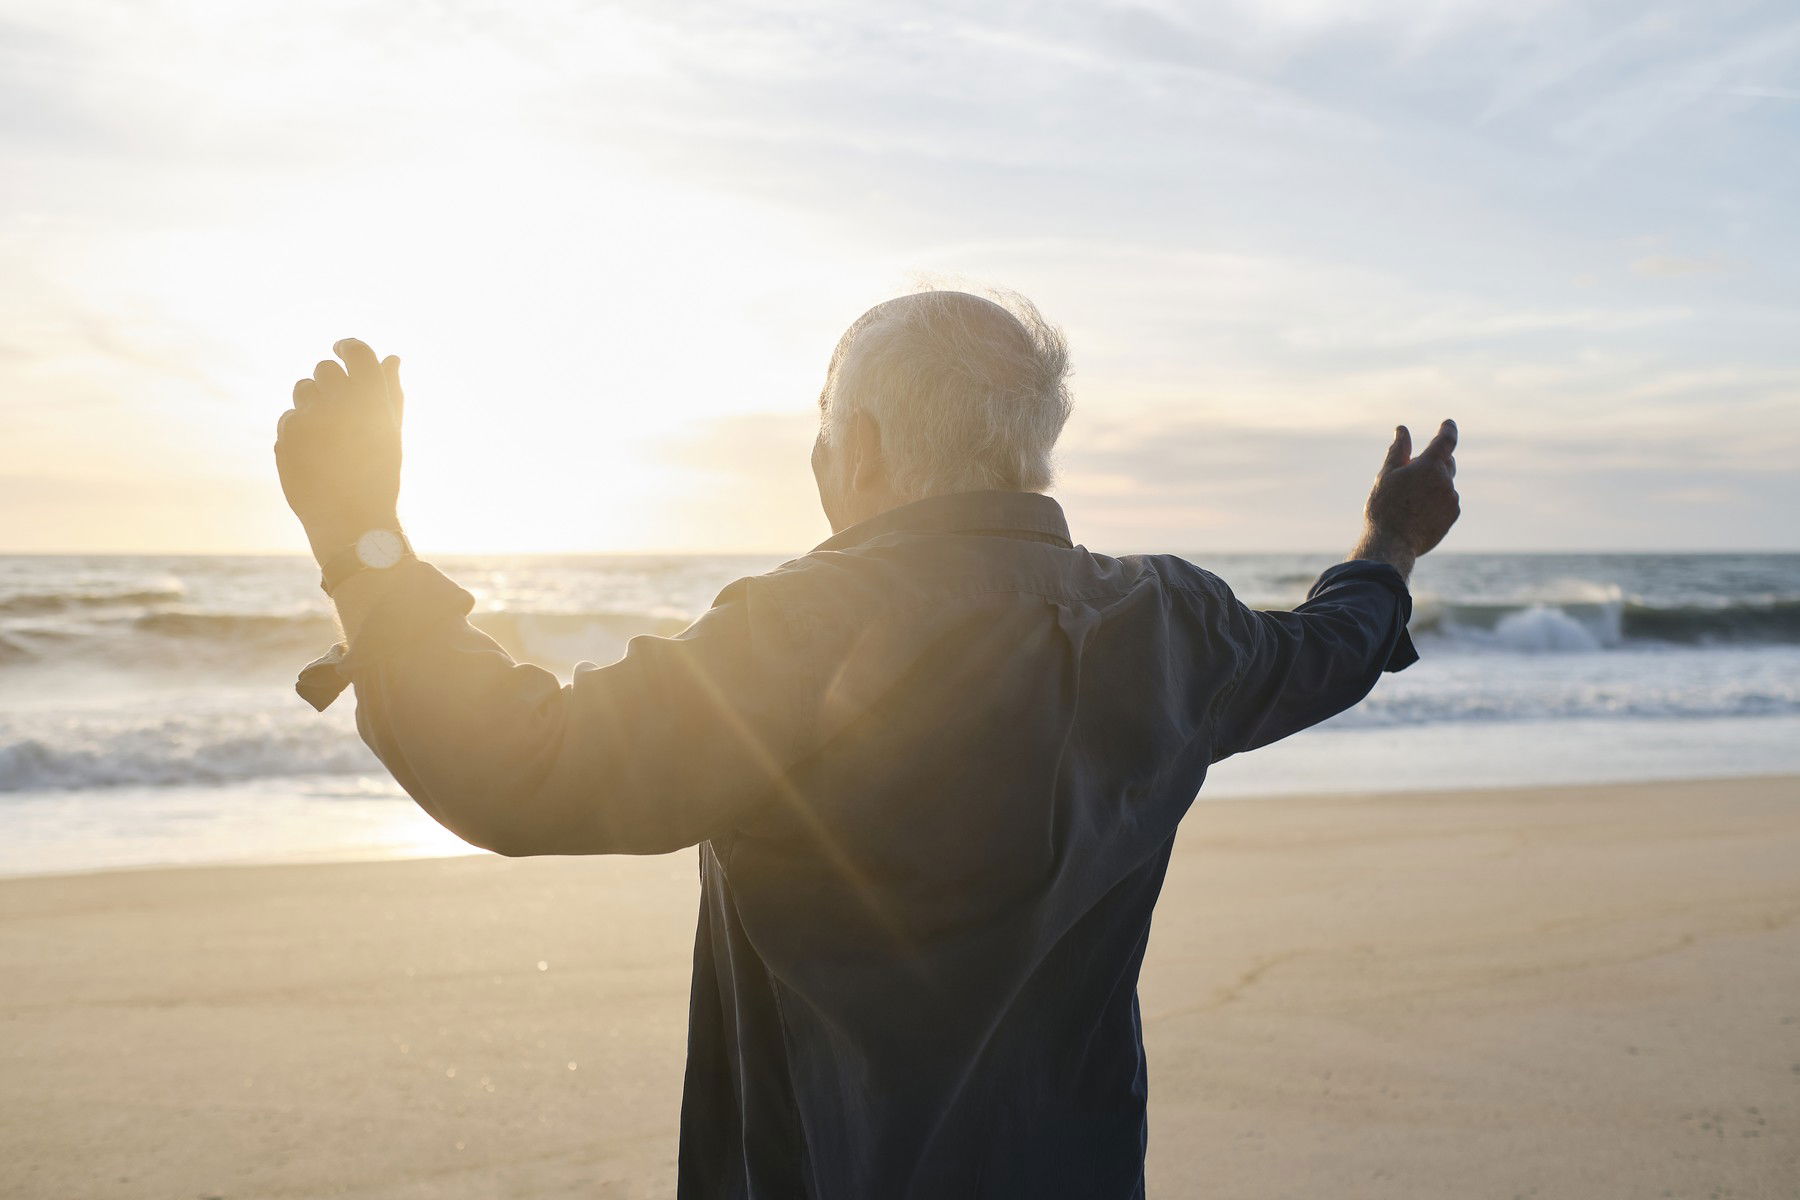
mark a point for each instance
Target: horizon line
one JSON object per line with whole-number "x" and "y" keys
{"x": 793, "y": 553}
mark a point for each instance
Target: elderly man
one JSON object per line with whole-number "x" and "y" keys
{"x": 934, "y": 767}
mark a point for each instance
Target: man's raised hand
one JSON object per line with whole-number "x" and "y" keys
{"x": 1414, "y": 499}
{"x": 338, "y": 448}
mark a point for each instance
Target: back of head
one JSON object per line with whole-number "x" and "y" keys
{"x": 969, "y": 394}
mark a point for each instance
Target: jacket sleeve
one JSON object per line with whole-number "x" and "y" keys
{"x": 669, "y": 746}
{"x": 1295, "y": 669}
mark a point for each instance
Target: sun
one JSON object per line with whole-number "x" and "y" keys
{"x": 552, "y": 360}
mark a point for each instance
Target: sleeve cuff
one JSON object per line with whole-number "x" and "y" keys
{"x": 1403, "y": 653}
{"x": 411, "y": 605}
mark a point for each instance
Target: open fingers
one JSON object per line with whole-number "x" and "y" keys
{"x": 369, "y": 377}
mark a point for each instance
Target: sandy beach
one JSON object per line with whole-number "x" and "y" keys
{"x": 1566, "y": 992}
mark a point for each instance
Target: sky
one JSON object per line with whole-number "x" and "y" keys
{"x": 613, "y": 245}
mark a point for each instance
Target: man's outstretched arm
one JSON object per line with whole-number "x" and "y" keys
{"x": 1299, "y": 668}
{"x": 669, "y": 746}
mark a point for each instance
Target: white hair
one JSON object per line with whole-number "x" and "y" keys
{"x": 969, "y": 394}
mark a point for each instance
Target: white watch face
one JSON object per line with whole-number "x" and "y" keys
{"x": 380, "y": 548}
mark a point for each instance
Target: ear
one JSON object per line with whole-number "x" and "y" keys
{"x": 868, "y": 469}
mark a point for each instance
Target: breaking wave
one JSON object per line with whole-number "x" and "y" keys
{"x": 187, "y": 642}
{"x": 1607, "y": 624}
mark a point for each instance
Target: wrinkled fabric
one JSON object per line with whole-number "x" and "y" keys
{"x": 934, "y": 769}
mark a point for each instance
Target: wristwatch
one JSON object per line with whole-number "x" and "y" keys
{"x": 376, "y": 550}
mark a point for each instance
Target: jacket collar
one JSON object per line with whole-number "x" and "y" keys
{"x": 1008, "y": 514}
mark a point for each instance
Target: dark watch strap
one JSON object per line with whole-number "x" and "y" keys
{"x": 347, "y": 562}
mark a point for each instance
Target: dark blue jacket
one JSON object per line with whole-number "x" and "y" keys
{"x": 934, "y": 769}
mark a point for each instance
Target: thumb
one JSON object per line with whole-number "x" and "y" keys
{"x": 1400, "y": 453}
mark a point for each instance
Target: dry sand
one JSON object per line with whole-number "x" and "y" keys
{"x": 1581, "y": 992}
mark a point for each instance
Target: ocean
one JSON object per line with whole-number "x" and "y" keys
{"x": 147, "y": 714}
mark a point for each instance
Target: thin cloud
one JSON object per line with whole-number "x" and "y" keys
{"x": 1764, "y": 93}
{"x": 1675, "y": 266}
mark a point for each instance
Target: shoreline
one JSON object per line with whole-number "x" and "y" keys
{"x": 1587, "y": 991}
{"x": 390, "y": 828}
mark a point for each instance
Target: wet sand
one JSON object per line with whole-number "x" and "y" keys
{"x": 1567, "y": 992}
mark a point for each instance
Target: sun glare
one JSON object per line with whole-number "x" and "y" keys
{"x": 561, "y": 336}
{"x": 590, "y": 337}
